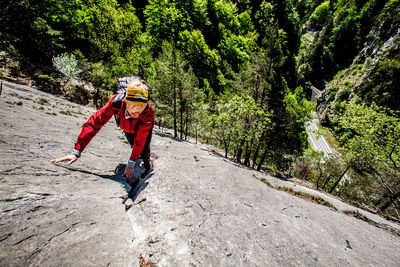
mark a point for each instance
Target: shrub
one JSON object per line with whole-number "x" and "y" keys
{"x": 332, "y": 93}
{"x": 320, "y": 15}
{"x": 67, "y": 65}
{"x": 344, "y": 94}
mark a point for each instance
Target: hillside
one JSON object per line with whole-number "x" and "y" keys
{"x": 373, "y": 74}
{"x": 197, "y": 208}
{"x": 351, "y": 51}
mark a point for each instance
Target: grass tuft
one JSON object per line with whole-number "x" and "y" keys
{"x": 312, "y": 198}
{"x": 357, "y": 214}
{"x": 66, "y": 112}
{"x": 43, "y": 101}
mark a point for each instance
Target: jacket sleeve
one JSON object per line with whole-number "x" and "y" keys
{"x": 94, "y": 124}
{"x": 143, "y": 131}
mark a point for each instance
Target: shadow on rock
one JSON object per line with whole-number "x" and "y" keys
{"x": 138, "y": 185}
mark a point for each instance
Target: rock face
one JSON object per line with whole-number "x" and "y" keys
{"x": 360, "y": 72}
{"x": 196, "y": 209}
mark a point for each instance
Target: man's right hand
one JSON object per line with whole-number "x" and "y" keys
{"x": 71, "y": 159}
{"x": 129, "y": 174}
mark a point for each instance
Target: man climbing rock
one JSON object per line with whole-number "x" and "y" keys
{"x": 133, "y": 114}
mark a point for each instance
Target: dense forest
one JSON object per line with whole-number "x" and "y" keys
{"x": 236, "y": 74}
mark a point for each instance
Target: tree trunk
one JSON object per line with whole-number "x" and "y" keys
{"x": 264, "y": 155}
{"x": 196, "y": 134}
{"x": 255, "y": 156}
{"x": 182, "y": 106}
{"x": 257, "y": 87}
{"x": 240, "y": 150}
{"x": 248, "y": 153}
{"x": 327, "y": 181}
{"x": 390, "y": 201}
{"x": 385, "y": 196}
{"x": 235, "y": 150}
{"x": 320, "y": 174}
{"x": 338, "y": 181}
{"x": 343, "y": 189}
{"x": 175, "y": 130}
{"x": 305, "y": 172}
{"x": 186, "y": 125}
{"x": 226, "y": 146}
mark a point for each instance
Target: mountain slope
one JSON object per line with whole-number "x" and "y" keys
{"x": 196, "y": 209}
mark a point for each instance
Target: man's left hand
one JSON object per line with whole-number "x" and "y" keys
{"x": 129, "y": 174}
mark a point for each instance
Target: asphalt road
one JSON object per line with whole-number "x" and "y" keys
{"x": 317, "y": 142}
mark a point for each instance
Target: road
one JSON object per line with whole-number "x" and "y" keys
{"x": 317, "y": 142}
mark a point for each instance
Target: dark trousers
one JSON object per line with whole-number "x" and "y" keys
{"x": 145, "y": 155}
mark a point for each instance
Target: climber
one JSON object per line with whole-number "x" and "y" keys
{"x": 134, "y": 115}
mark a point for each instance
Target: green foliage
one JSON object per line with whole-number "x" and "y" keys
{"x": 297, "y": 105}
{"x": 205, "y": 61}
{"x": 67, "y": 65}
{"x": 236, "y": 49}
{"x": 344, "y": 94}
{"x": 198, "y": 13}
{"x": 226, "y": 13}
{"x": 112, "y": 28}
{"x": 164, "y": 22}
{"x": 383, "y": 87}
{"x": 237, "y": 119}
{"x": 265, "y": 16}
{"x": 47, "y": 39}
{"x": 320, "y": 15}
{"x": 372, "y": 145}
{"x": 390, "y": 16}
{"x": 345, "y": 39}
{"x": 175, "y": 87}
{"x": 100, "y": 76}
{"x": 343, "y": 33}
{"x": 297, "y": 111}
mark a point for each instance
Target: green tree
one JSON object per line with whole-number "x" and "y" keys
{"x": 237, "y": 123}
{"x": 137, "y": 60}
{"x": 195, "y": 12}
{"x": 372, "y": 145}
{"x": 175, "y": 87}
{"x": 112, "y": 28}
{"x": 205, "y": 61}
{"x": 221, "y": 125}
{"x": 320, "y": 15}
{"x": 287, "y": 138}
{"x": 164, "y": 22}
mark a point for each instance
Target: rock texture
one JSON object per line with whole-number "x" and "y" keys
{"x": 195, "y": 209}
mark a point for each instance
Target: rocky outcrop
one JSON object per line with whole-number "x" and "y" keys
{"x": 195, "y": 209}
{"x": 360, "y": 72}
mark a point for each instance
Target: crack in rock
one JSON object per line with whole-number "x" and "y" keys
{"x": 11, "y": 199}
{"x": 5, "y": 237}
{"x": 24, "y": 239}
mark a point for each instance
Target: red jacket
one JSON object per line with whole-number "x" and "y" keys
{"x": 140, "y": 126}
